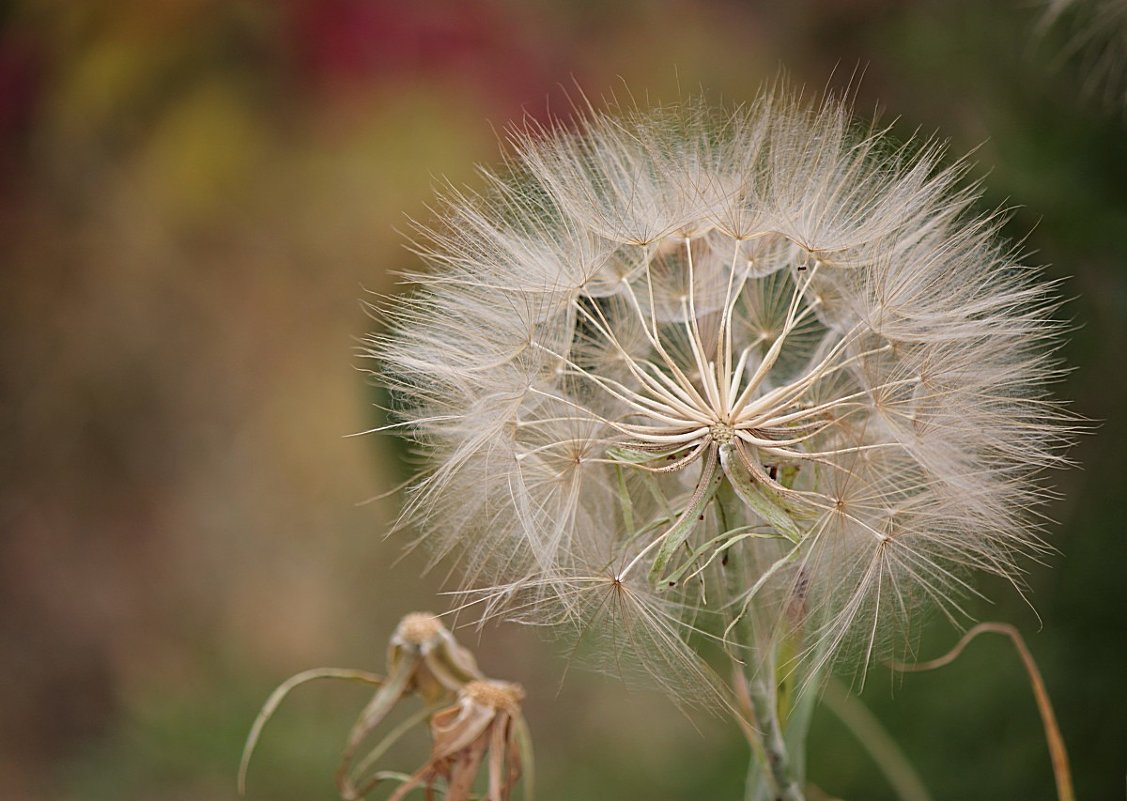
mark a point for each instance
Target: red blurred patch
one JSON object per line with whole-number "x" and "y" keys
{"x": 507, "y": 58}
{"x": 21, "y": 74}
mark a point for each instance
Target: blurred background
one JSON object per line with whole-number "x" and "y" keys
{"x": 195, "y": 195}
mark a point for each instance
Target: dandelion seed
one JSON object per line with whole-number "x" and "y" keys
{"x": 751, "y": 363}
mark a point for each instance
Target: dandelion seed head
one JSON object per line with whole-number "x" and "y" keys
{"x": 676, "y": 338}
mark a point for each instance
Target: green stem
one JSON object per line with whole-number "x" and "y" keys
{"x": 771, "y": 775}
{"x": 782, "y": 783}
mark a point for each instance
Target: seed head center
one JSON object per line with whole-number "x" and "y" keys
{"x": 722, "y": 433}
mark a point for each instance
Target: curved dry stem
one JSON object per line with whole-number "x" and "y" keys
{"x": 279, "y": 695}
{"x": 346, "y": 782}
{"x": 1057, "y": 751}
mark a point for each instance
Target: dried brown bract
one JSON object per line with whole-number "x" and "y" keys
{"x": 485, "y": 727}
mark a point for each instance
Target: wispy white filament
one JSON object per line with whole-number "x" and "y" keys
{"x": 675, "y": 336}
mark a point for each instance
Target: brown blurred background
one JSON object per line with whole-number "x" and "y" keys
{"x": 194, "y": 197}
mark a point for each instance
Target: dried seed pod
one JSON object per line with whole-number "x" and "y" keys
{"x": 424, "y": 660}
{"x": 484, "y": 726}
{"x": 438, "y": 664}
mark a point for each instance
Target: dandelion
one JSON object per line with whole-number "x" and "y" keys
{"x": 758, "y": 375}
